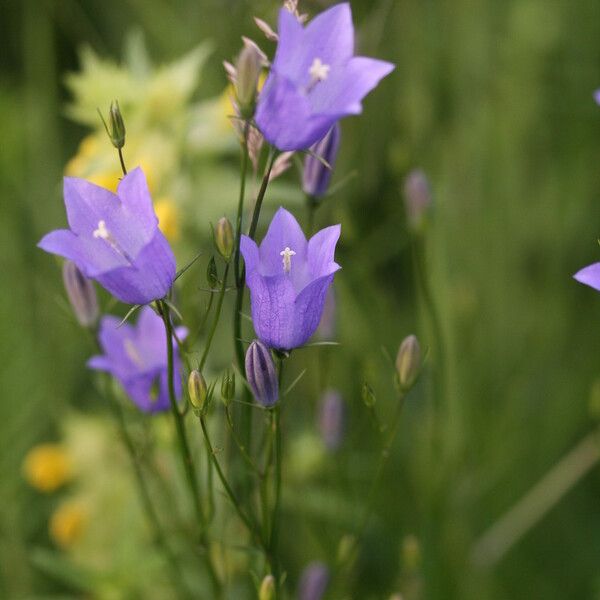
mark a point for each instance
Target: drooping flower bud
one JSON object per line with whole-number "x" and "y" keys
{"x": 417, "y": 198}
{"x": 267, "y": 588}
{"x": 317, "y": 175}
{"x": 115, "y": 128}
{"x": 408, "y": 362}
{"x": 224, "y": 238}
{"x": 261, "y": 374}
{"x": 368, "y": 395}
{"x": 248, "y": 68}
{"x": 211, "y": 273}
{"x": 197, "y": 389}
{"x": 313, "y": 582}
{"x": 81, "y": 293}
{"x": 228, "y": 387}
{"x": 331, "y": 419}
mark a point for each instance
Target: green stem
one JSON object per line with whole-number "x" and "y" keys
{"x": 261, "y": 194}
{"x": 151, "y": 515}
{"x": 247, "y": 458}
{"x": 215, "y": 318}
{"x": 122, "y": 161}
{"x": 240, "y": 210}
{"x": 184, "y": 448}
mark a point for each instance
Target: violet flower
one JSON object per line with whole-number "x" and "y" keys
{"x": 597, "y": 96}
{"x": 315, "y": 79}
{"x": 313, "y": 581}
{"x": 114, "y": 239}
{"x": 332, "y": 413}
{"x": 589, "y": 275}
{"x": 261, "y": 374}
{"x": 316, "y": 175}
{"x": 136, "y": 355}
{"x": 288, "y": 279}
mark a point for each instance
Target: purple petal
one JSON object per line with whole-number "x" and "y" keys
{"x": 249, "y": 251}
{"x": 272, "y": 300}
{"x": 342, "y": 92}
{"x": 284, "y": 232}
{"x": 135, "y": 196}
{"x": 148, "y": 391}
{"x": 151, "y": 277}
{"x": 99, "y": 363}
{"x": 308, "y": 310}
{"x": 321, "y": 250}
{"x": 597, "y": 96}
{"x": 589, "y": 275}
{"x": 290, "y": 53}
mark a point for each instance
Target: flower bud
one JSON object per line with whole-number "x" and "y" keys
{"x": 408, "y": 362}
{"x": 368, "y": 395}
{"x": 261, "y": 374}
{"x": 228, "y": 387}
{"x": 248, "y": 68}
{"x": 197, "y": 389}
{"x": 81, "y": 293}
{"x": 211, "y": 273}
{"x": 224, "y": 238}
{"x": 316, "y": 176}
{"x": 267, "y": 588}
{"x": 115, "y": 128}
{"x": 313, "y": 582}
{"x": 417, "y": 198}
{"x": 331, "y": 419}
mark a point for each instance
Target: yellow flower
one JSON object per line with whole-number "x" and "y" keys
{"x": 168, "y": 218}
{"x": 47, "y": 466}
{"x": 68, "y": 523}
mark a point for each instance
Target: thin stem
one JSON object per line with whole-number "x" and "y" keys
{"x": 151, "y": 515}
{"x": 311, "y": 205}
{"x": 122, "y": 161}
{"x": 261, "y": 194}
{"x": 215, "y": 319}
{"x": 240, "y": 210}
{"x": 239, "y": 444}
{"x": 184, "y": 448}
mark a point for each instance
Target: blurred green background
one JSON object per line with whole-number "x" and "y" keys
{"x": 493, "y": 99}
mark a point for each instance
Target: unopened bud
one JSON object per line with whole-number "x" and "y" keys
{"x": 211, "y": 273}
{"x": 248, "y": 68}
{"x": 408, "y": 362}
{"x": 115, "y": 128}
{"x": 224, "y": 238}
{"x": 317, "y": 173}
{"x": 261, "y": 374}
{"x": 368, "y": 395}
{"x": 411, "y": 553}
{"x": 313, "y": 582}
{"x": 228, "y": 387}
{"x": 267, "y": 588}
{"x": 81, "y": 293}
{"x": 197, "y": 389}
{"x": 417, "y": 198}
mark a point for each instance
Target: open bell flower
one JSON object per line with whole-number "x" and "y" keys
{"x": 136, "y": 355}
{"x": 288, "y": 278}
{"x": 315, "y": 79}
{"x": 115, "y": 239}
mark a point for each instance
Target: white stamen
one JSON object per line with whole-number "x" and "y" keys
{"x": 102, "y": 232}
{"x": 319, "y": 71}
{"x": 133, "y": 353}
{"x": 287, "y": 259}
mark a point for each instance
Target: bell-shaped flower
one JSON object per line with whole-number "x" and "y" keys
{"x": 288, "y": 278}
{"x": 315, "y": 79}
{"x": 115, "y": 239}
{"x": 317, "y": 175}
{"x": 589, "y": 275}
{"x": 136, "y": 355}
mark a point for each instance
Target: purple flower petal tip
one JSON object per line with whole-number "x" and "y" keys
{"x": 315, "y": 79}
{"x": 288, "y": 278}
{"x": 597, "y": 96}
{"x": 589, "y": 275}
{"x": 136, "y": 355}
{"x": 114, "y": 238}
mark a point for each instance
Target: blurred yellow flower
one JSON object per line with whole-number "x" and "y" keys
{"x": 68, "y": 523}
{"x": 168, "y": 218}
{"x": 46, "y": 467}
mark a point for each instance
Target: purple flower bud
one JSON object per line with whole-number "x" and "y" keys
{"x": 261, "y": 374}
{"x": 331, "y": 419}
{"x": 316, "y": 177}
{"x": 82, "y": 294}
{"x": 597, "y": 96}
{"x": 417, "y": 198}
{"x": 313, "y": 581}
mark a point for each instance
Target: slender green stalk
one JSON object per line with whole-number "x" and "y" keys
{"x": 122, "y": 161}
{"x": 184, "y": 448}
{"x": 247, "y": 458}
{"x": 216, "y": 318}
{"x": 151, "y": 515}
{"x": 240, "y": 210}
{"x": 261, "y": 194}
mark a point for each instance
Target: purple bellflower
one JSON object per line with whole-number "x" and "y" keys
{"x": 114, "y": 239}
{"x": 316, "y": 175}
{"x": 331, "y": 417}
{"x": 597, "y": 96}
{"x": 261, "y": 374}
{"x": 315, "y": 79}
{"x": 137, "y": 357}
{"x": 288, "y": 279}
{"x": 313, "y": 581}
{"x": 589, "y": 275}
